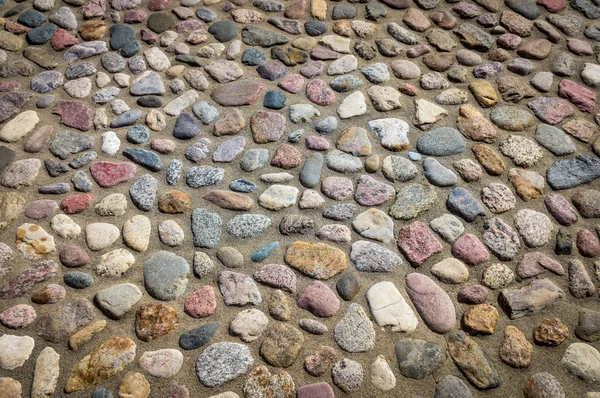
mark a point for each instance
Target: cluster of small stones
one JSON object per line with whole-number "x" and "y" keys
{"x": 378, "y": 196}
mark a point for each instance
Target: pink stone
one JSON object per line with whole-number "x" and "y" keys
{"x": 587, "y": 243}
{"x": 108, "y": 174}
{"x": 317, "y": 390}
{"x": 431, "y": 302}
{"x": 94, "y": 8}
{"x": 18, "y": 316}
{"x": 417, "y": 243}
{"x": 551, "y": 110}
{"x": 536, "y": 263}
{"x": 323, "y": 54}
{"x": 238, "y": 93}
{"x": 552, "y": 6}
{"x": 162, "y": 145}
{"x": 579, "y": 47}
{"x": 370, "y": 192}
{"x": 319, "y": 299}
{"x": 316, "y": 143}
{"x": 74, "y": 256}
{"x": 583, "y": 98}
{"x": 9, "y": 86}
{"x": 509, "y": 41}
{"x": 469, "y": 249}
{"x": 135, "y": 16}
{"x": 286, "y": 157}
{"x": 61, "y": 39}
{"x": 318, "y": 92}
{"x": 201, "y": 303}
{"x": 188, "y": 26}
{"x": 39, "y": 209}
{"x": 312, "y": 69}
{"x": 278, "y": 276}
{"x": 292, "y": 83}
{"x": 158, "y": 5}
{"x": 76, "y": 203}
{"x": 337, "y": 188}
{"x": 74, "y": 114}
{"x": 474, "y": 294}
{"x": 147, "y": 36}
{"x": 561, "y": 209}
{"x": 24, "y": 282}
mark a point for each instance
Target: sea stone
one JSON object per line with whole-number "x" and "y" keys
{"x": 389, "y": 308}
{"x": 317, "y": 260}
{"x": 432, "y": 303}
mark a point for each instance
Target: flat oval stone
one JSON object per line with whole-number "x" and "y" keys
{"x": 165, "y": 275}
{"x": 319, "y": 299}
{"x": 198, "y": 337}
{"x": 442, "y": 141}
{"x": 223, "y": 362}
{"x": 432, "y": 303}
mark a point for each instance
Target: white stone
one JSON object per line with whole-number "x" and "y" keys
{"x": 15, "y": 350}
{"x": 450, "y": 270}
{"x": 345, "y": 64}
{"x": 115, "y": 263}
{"x": 136, "y": 232}
{"x": 110, "y": 143}
{"x": 389, "y": 308}
{"x": 101, "y": 235}
{"x": 46, "y": 373}
{"x": 278, "y": 197}
{"x": 427, "y": 113}
{"x": 78, "y": 88}
{"x": 157, "y": 59}
{"x": 374, "y": 224}
{"x": 353, "y": 105}
{"x": 186, "y": 99}
{"x": 34, "y": 242}
{"x": 65, "y": 227}
{"x": 249, "y": 325}
{"x": 119, "y": 107}
{"x": 122, "y": 79}
{"x": 448, "y": 227}
{"x": 19, "y": 126}
{"x": 170, "y": 233}
{"x": 162, "y": 363}
{"x": 100, "y": 119}
{"x": 393, "y": 133}
{"x": 114, "y": 204}
{"x": 336, "y": 43}
{"x": 382, "y": 376}
{"x": 102, "y": 79}
{"x": 591, "y": 74}
{"x": 582, "y": 360}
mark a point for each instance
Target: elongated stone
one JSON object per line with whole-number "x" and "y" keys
{"x": 530, "y": 299}
{"x": 472, "y": 361}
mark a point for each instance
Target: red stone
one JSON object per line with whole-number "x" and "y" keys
{"x": 587, "y": 243}
{"x": 287, "y": 157}
{"x": 551, "y": 110}
{"x": 583, "y": 98}
{"x": 61, "y": 39}
{"x": 318, "y": 91}
{"x": 319, "y": 299}
{"x": 417, "y": 243}
{"x": 135, "y": 16}
{"x": 469, "y": 249}
{"x": 74, "y": 114}
{"x": 158, "y": 5}
{"x": 9, "y": 86}
{"x": 552, "y": 5}
{"x": 201, "y": 303}
{"x": 241, "y": 92}
{"x": 108, "y": 174}
{"x": 292, "y": 83}
{"x": 316, "y": 143}
{"x": 25, "y": 281}
{"x": 76, "y": 203}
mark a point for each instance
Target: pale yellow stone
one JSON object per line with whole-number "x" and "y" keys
{"x": 46, "y": 373}
{"x": 318, "y": 9}
{"x": 19, "y": 126}
{"x": 84, "y": 335}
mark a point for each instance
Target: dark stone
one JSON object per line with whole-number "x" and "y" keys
{"x": 145, "y": 158}
{"x": 78, "y": 279}
{"x": 7, "y": 156}
{"x": 223, "y": 31}
{"x": 348, "y": 286}
{"x": 150, "y": 101}
{"x": 198, "y": 337}
{"x": 120, "y": 35}
{"x": 41, "y": 34}
{"x": 273, "y": 100}
{"x": 315, "y": 28}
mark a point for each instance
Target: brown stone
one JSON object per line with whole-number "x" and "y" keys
{"x": 155, "y": 320}
{"x": 229, "y": 200}
{"x": 86, "y": 334}
{"x": 416, "y": 20}
{"x": 9, "y": 388}
{"x": 551, "y": 332}
{"x": 516, "y": 351}
{"x": 261, "y": 383}
{"x": 491, "y": 162}
{"x": 60, "y": 324}
{"x": 581, "y": 129}
{"x": 480, "y": 319}
{"x": 38, "y": 139}
{"x": 320, "y": 361}
{"x": 286, "y": 157}
{"x": 525, "y": 188}
{"x": 474, "y": 125}
{"x": 515, "y": 23}
{"x": 512, "y": 89}
{"x": 231, "y": 123}
{"x": 174, "y": 201}
{"x": 238, "y": 93}
{"x": 439, "y": 62}
{"x": 103, "y": 362}
{"x": 483, "y": 92}
{"x": 296, "y": 10}
{"x": 281, "y": 345}
{"x": 342, "y": 28}
{"x": 267, "y": 126}
{"x": 317, "y": 260}
{"x": 93, "y": 29}
{"x": 535, "y": 49}
{"x": 134, "y": 385}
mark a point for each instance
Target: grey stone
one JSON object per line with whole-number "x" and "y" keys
{"x": 165, "y": 275}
